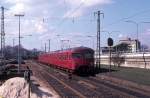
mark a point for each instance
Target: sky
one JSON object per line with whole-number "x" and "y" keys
{"x": 74, "y": 20}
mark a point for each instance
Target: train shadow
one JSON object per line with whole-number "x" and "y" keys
{"x": 104, "y": 70}
{"x": 94, "y": 71}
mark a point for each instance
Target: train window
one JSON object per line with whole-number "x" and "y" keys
{"x": 65, "y": 57}
{"x": 76, "y": 55}
{"x": 88, "y": 55}
{"x": 69, "y": 57}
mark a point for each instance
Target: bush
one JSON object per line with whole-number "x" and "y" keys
{"x": 117, "y": 59}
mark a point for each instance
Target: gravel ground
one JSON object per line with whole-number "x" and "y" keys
{"x": 18, "y": 88}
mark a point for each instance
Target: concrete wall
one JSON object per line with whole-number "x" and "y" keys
{"x": 140, "y": 60}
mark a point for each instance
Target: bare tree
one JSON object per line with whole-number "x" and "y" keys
{"x": 117, "y": 59}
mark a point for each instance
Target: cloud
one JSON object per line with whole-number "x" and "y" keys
{"x": 17, "y": 1}
{"x": 72, "y": 14}
{"x": 78, "y": 7}
{"x": 34, "y": 13}
{"x": 37, "y": 11}
{"x": 87, "y": 3}
{"x": 18, "y": 8}
{"x": 120, "y": 35}
{"x": 40, "y": 27}
{"x": 147, "y": 32}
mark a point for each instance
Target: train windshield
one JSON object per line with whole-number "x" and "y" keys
{"x": 88, "y": 55}
{"x": 76, "y": 55}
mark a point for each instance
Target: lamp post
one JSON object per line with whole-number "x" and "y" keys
{"x": 137, "y": 31}
{"x": 19, "y": 54}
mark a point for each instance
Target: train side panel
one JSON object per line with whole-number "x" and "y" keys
{"x": 71, "y": 59}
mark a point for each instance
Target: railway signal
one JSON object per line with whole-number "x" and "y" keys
{"x": 110, "y": 43}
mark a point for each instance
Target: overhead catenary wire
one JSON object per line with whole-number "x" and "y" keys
{"x": 66, "y": 18}
{"x": 125, "y": 18}
{"x": 77, "y": 8}
{"x": 72, "y": 12}
{"x": 110, "y": 24}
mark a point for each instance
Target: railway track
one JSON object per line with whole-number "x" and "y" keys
{"x": 59, "y": 86}
{"x": 81, "y": 87}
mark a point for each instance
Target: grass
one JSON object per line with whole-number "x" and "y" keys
{"x": 138, "y": 75}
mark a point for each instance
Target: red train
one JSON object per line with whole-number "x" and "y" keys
{"x": 73, "y": 59}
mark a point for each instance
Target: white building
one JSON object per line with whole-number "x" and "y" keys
{"x": 133, "y": 44}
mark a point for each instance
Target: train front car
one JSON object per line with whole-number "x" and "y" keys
{"x": 83, "y": 59}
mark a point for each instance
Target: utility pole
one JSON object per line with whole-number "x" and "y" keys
{"x": 49, "y": 45}
{"x": 98, "y": 50}
{"x": 62, "y": 46}
{"x": 45, "y": 47}
{"x": 2, "y": 37}
{"x": 13, "y": 42}
{"x": 13, "y": 47}
{"x": 19, "y": 52}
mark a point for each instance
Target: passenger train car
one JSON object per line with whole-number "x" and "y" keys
{"x": 73, "y": 59}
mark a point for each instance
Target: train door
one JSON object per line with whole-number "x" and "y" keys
{"x": 88, "y": 58}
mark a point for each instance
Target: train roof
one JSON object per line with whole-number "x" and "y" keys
{"x": 81, "y": 48}
{"x": 75, "y": 49}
